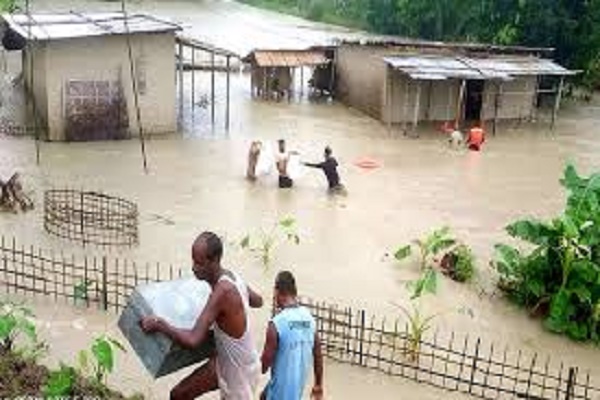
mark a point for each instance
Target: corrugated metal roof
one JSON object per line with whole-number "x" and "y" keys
{"x": 435, "y": 67}
{"x": 287, "y": 58}
{"x": 73, "y": 25}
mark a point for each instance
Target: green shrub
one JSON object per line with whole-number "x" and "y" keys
{"x": 559, "y": 279}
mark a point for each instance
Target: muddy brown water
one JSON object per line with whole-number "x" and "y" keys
{"x": 196, "y": 181}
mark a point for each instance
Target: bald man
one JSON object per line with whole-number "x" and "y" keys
{"x": 235, "y": 367}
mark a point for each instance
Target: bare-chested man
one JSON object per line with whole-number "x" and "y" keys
{"x": 235, "y": 367}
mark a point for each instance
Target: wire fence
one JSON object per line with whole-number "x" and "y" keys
{"x": 465, "y": 364}
{"x": 91, "y": 217}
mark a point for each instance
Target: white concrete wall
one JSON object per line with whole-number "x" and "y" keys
{"x": 106, "y": 58}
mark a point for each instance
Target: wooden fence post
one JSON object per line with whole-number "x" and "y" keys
{"x": 104, "y": 284}
{"x": 474, "y": 365}
{"x": 361, "y": 338}
{"x": 571, "y": 381}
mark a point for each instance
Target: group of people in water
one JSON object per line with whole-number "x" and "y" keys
{"x": 474, "y": 141}
{"x": 288, "y": 164}
{"x": 292, "y": 346}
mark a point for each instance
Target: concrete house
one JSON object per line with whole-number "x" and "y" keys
{"x": 78, "y": 69}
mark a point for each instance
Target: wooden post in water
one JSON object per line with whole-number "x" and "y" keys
{"x": 459, "y": 105}
{"x": 228, "y": 96}
{"x": 533, "y": 113}
{"x": 180, "y": 66}
{"x": 301, "y": 81}
{"x": 332, "y": 78}
{"x": 417, "y": 108}
{"x": 496, "y": 105}
{"x": 212, "y": 88}
{"x": 390, "y": 98}
{"x": 193, "y": 66}
{"x": 264, "y": 74}
{"x": 428, "y": 109}
{"x": 406, "y": 99}
{"x": 557, "y": 101}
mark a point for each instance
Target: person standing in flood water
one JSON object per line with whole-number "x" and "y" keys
{"x": 476, "y": 138}
{"x": 283, "y": 159}
{"x": 329, "y": 167}
{"x": 253, "y": 154}
{"x": 234, "y": 368}
{"x": 292, "y": 346}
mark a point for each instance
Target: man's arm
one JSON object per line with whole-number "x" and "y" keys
{"x": 314, "y": 165}
{"x": 254, "y": 299}
{"x": 270, "y": 349}
{"x": 317, "y": 391}
{"x": 186, "y": 337}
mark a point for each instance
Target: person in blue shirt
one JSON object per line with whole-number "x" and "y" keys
{"x": 292, "y": 346}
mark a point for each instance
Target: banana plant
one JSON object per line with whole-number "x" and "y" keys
{"x": 428, "y": 249}
{"x": 558, "y": 278}
{"x": 264, "y": 244}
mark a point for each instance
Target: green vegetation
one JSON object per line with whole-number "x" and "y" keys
{"x": 417, "y": 325}
{"x": 559, "y": 279}
{"x": 9, "y": 6}
{"x": 572, "y": 27}
{"x": 457, "y": 261}
{"x": 316, "y": 10}
{"x": 459, "y": 264}
{"x": 267, "y": 241}
{"x": 22, "y": 375}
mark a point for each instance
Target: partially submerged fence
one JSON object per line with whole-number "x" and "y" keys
{"x": 91, "y": 217}
{"x": 453, "y": 362}
{"x": 450, "y": 362}
{"x": 102, "y": 282}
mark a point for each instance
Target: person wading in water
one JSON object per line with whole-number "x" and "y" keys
{"x": 329, "y": 167}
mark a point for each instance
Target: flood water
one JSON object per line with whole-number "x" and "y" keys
{"x": 196, "y": 182}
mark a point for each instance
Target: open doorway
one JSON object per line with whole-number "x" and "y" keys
{"x": 474, "y": 100}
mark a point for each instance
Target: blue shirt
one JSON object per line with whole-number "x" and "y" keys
{"x": 293, "y": 360}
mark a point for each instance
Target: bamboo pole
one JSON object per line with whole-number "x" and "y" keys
{"x": 390, "y": 98}
{"x": 417, "y": 107}
{"x": 557, "y": 101}
{"x": 459, "y": 105}
{"x": 497, "y": 105}
{"x": 212, "y": 88}
{"x": 193, "y": 77}
{"x": 228, "y": 93}
{"x": 180, "y": 75}
{"x": 406, "y": 99}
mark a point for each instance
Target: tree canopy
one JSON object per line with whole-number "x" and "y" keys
{"x": 572, "y": 27}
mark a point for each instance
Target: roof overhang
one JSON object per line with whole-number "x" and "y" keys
{"x": 44, "y": 27}
{"x": 287, "y": 58}
{"x": 440, "y": 67}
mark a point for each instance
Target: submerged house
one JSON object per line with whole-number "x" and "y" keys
{"x": 409, "y": 81}
{"x": 273, "y": 71}
{"x": 82, "y": 71}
